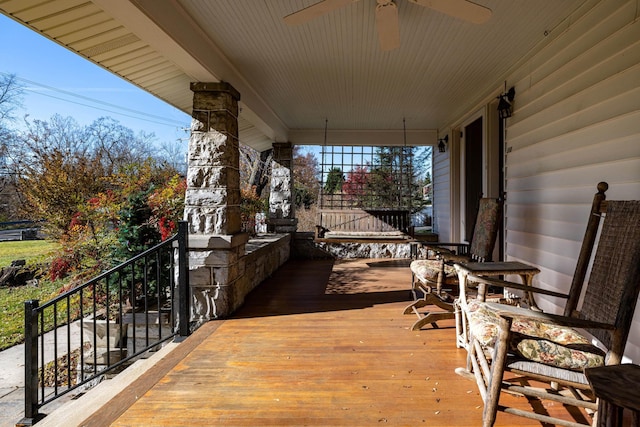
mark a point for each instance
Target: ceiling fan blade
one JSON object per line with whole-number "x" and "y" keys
{"x": 461, "y": 9}
{"x": 315, "y": 10}
{"x": 387, "y": 24}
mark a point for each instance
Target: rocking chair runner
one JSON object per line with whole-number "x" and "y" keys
{"x": 543, "y": 347}
{"x": 431, "y": 276}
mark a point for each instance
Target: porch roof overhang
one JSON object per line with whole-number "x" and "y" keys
{"x": 294, "y": 80}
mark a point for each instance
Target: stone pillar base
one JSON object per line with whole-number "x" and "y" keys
{"x": 216, "y": 264}
{"x": 282, "y": 225}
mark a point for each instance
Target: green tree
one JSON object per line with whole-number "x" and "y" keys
{"x": 334, "y": 181}
{"x": 391, "y": 180}
{"x": 135, "y": 232}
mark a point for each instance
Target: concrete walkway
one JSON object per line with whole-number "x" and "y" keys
{"x": 11, "y": 385}
{"x": 12, "y": 372}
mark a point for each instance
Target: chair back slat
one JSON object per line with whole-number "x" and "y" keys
{"x": 598, "y": 207}
{"x": 485, "y": 231}
{"x": 614, "y": 282}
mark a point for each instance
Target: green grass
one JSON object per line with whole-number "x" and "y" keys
{"x": 25, "y": 249}
{"x": 12, "y": 299}
{"x": 12, "y": 309}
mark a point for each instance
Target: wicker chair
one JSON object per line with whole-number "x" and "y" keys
{"x": 435, "y": 277}
{"x": 546, "y": 348}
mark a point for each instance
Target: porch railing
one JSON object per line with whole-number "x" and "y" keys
{"x": 98, "y": 327}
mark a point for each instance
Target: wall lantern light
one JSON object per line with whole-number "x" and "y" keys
{"x": 506, "y": 103}
{"x": 442, "y": 144}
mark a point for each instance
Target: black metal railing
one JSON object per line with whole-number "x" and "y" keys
{"x": 99, "y": 327}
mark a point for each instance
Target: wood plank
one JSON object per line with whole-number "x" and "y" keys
{"x": 320, "y": 344}
{"x": 123, "y": 400}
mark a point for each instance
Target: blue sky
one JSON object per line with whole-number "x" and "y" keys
{"x": 59, "y": 81}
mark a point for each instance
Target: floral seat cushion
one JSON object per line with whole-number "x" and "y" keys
{"x": 540, "y": 342}
{"x": 427, "y": 270}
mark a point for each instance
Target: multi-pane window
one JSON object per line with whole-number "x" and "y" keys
{"x": 369, "y": 177}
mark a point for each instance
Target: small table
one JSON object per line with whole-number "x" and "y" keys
{"x": 616, "y": 387}
{"x": 525, "y": 271}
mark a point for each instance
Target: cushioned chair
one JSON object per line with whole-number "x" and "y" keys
{"x": 435, "y": 277}
{"x": 546, "y": 348}
{"x": 584, "y": 258}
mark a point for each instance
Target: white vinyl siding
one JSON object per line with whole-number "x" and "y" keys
{"x": 576, "y": 122}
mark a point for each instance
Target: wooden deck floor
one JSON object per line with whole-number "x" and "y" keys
{"x": 318, "y": 344}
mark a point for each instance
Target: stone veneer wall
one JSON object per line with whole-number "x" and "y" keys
{"x": 265, "y": 255}
{"x": 304, "y": 246}
{"x": 348, "y": 250}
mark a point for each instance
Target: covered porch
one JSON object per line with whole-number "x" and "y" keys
{"x": 321, "y": 342}
{"x": 330, "y": 346}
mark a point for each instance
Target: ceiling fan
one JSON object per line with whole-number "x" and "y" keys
{"x": 387, "y": 15}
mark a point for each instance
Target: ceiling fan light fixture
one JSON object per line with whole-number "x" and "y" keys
{"x": 387, "y": 25}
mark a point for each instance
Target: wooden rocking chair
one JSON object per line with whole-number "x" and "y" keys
{"x": 586, "y": 252}
{"x": 434, "y": 278}
{"x": 537, "y": 347}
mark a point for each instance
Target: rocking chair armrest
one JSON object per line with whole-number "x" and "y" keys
{"x": 453, "y": 258}
{"x": 513, "y": 285}
{"x": 512, "y": 312}
{"x": 446, "y": 248}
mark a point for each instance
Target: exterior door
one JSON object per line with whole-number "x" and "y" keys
{"x": 473, "y": 176}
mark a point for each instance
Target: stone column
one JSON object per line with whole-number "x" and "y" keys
{"x": 281, "y": 198}
{"x": 212, "y": 203}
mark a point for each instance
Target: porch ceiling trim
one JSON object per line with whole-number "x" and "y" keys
{"x": 364, "y": 137}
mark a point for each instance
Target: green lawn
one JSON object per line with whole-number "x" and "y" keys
{"x": 25, "y": 249}
{"x": 12, "y": 299}
{"x": 12, "y": 309}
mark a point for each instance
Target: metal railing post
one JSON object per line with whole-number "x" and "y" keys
{"x": 184, "y": 311}
{"x": 30, "y": 363}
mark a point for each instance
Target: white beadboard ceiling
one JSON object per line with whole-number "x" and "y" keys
{"x": 293, "y": 80}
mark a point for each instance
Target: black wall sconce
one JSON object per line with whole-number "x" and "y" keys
{"x": 442, "y": 144}
{"x": 506, "y": 103}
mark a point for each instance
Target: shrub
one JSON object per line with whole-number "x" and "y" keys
{"x": 167, "y": 205}
{"x": 250, "y": 204}
{"x": 59, "y": 268}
